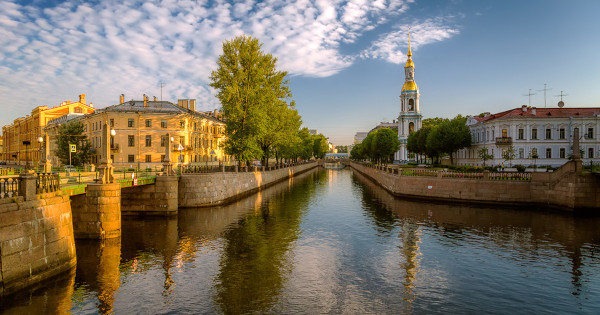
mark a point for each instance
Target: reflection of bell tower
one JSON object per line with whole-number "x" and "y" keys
{"x": 410, "y": 250}
{"x": 410, "y": 117}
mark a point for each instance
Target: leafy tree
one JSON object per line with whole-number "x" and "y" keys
{"x": 320, "y": 146}
{"x": 342, "y": 148}
{"x": 356, "y": 152}
{"x": 72, "y": 133}
{"x": 386, "y": 143}
{"x": 253, "y": 96}
{"x": 432, "y": 122}
{"x": 484, "y": 155}
{"x": 509, "y": 155}
{"x": 449, "y": 137}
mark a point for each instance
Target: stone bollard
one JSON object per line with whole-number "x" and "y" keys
{"x": 99, "y": 217}
{"x": 439, "y": 174}
{"x": 486, "y": 175}
{"x": 235, "y": 168}
{"x": 28, "y": 185}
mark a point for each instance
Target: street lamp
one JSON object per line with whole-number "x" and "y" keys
{"x": 40, "y": 140}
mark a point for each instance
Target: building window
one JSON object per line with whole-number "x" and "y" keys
{"x": 148, "y": 140}
{"x": 130, "y": 122}
{"x": 148, "y": 158}
{"x": 590, "y": 133}
{"x": 590, "y": 153}
{"x": 534, "y": 134}
{"x": 548, "y": 153}
{"x": 162, "y": 157}
{"x": 148, "y": 123}
{"x": 411, "y": 104}
{"x": 504, "y": 133}
{"x": 194, "y": 126}
{"x": 112, "y": 157}
{"x": 112, "y": 122}
{"x": 576, "y": 131}
{"x": 534, "y": 153}
{"x": 163, "y": 141}
{"x": 182, "y": 124}
{"x": 77, "y": 109}
{"x": 521, "y": 153}
{"x": 561, "y": 133}
{"x": 182, "y": 140}
{"x": 562, "y": 153}
{"x": 131, "y": 158}
{"x": 130, "y": 141}
{"x": 548, "y": 133}
{"x": 163, "y": 124}
{"x": 411, "y": 127}
{"x": 521, "y": 134}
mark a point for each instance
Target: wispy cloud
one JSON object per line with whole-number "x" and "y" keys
{"x": 112, "y": 47}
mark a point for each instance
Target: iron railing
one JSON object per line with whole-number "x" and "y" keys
{"x": 47, "y": 182}
{"x": 9, "y": 187}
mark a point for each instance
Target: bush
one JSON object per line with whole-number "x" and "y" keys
{"x": 520, "y": 168}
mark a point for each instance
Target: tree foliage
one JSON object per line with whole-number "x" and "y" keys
{"x": 72, "y": 133}
{"x": 509, "y": 154}
{"x": 484, "y": 155}
{"x": 320, "y": 146}
{"x": 440, "y": 136}
{"x": 379, "y": 146}
{"x": 260, "y": 116}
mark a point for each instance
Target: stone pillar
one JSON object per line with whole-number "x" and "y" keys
{"x": 166, "y": 194}
{"x": 27, "y": 185}
{"x": 99, "y": 217}
{"x": 167, "y": 165}
{"x": 105, "y": 170}
{"x": 47, "y": 163}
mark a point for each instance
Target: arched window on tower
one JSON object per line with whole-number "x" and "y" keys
{"x": 411, "y": 127}
{"x": 411, "y": 104}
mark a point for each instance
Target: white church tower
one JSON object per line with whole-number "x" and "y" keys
{"x": 410, "y": 117}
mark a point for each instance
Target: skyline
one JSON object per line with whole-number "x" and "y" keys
{"x": 345, "y": 58}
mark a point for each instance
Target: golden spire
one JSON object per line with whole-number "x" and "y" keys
{"x": 409, "y": 53}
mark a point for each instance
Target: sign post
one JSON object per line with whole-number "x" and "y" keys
{"x": 73, "y": 149}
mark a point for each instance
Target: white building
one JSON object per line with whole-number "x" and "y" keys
{"x": 410, "y": 116}
{"x": 543, "y": 132}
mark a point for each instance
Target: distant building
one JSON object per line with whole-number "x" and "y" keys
{"x": 543, "y": 132}
{"x": 313, "y": 132}
{"x": 141, "y": 133}
{"x": 359, "y": 137}
{"x": 21, "y": 137}
{"x": 2, "y": 155}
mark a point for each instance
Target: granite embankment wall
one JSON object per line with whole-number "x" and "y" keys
{"x": 209, "y": 189}
{"x": 36, "y": 240}
{"x": 157, "y": 199}
{"x": 567, "y": 188}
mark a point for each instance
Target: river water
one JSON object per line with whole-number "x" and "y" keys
{"x": 330, "y": 241}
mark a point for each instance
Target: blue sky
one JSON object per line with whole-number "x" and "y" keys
{"x": 345, "y": 58}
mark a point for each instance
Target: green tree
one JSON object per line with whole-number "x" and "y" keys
{"x": 320, "y": 146}
{"x": 385, "y": 144}
{"x": 251, "y": 91}
{"x": 449, "y": 137}
{"x": 484, "y": 155}
{"x": 342, "y": 148}
{"x": 72, "y": 133}
{"x": 509, "y": 155}
{"x": 432, "y": 122}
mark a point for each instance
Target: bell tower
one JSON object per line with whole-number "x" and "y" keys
{"x": 410, "y": 117}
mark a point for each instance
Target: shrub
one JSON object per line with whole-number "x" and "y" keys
{"x": 520, "y": 168}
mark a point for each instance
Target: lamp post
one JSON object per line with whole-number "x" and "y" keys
{"x": 40, "y": 140}
{"x": 167, "y": 165}
{"x": 105, "y": 170}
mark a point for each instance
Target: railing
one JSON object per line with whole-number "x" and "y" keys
{"x": 194, "y": 169}
{"x": 504, "y": 140}
{"x": 462, "y": 175}
{"x": 9, "y": 171}
{"x": 9, "y": 187}
{"x": 47, "y": 182}
{"x": 198, "y": 169}
{"x": 418, "y": 172}
{"x": 509, "y": 176}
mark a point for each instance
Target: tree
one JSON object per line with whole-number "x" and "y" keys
{"x": 253, "y": 95}
{"x": 484, "y": 155}
{"x": 385, "y": 144}
{"x": 320, "y": 146}
{"x": 72, "y": 133}
{"x": 509, "y": 155}
{"x": 432, "y": 122}
{"x": 449, "y": 137}
{"x": 342, "y": 148}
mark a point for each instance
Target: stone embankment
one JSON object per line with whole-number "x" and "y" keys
{"x": 36, "y": 240}
{"x": 210, "y": 189}
{"x": 568, "y": 188}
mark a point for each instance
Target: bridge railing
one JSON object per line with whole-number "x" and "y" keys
{"x": 9, "y": 187}
{"x": 47, "y": 182}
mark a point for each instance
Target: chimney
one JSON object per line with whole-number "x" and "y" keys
{"x": 155, "y": 99}
{"x": 82, "y": 98}
{"x": 524, "y": 108}
{"x": 122, "y": 99}
{"x": 533, "y": 111}
{"x": 145, "y": 100}
{"x": 193, "y": 105}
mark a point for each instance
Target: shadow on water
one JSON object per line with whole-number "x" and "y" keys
{"x": 524, "y": 233}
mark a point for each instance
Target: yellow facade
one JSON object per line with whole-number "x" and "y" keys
{"x": 141, "y": 128}
{"x": 30, "y": 128}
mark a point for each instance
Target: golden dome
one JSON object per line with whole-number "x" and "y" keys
{"x": 409, "y": 86}
{"x": 409, "y": 63}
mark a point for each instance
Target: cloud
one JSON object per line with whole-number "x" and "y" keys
{"x": 393, "y": 46}
{"x": 105, "y": 48}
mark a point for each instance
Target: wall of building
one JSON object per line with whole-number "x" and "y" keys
{"x": 36, "y": 240}
{"x": 565, "y": 189}
{"x": 200, "y": 190}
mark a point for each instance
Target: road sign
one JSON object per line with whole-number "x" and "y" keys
{"x": 135, "y": 182}
{"x": 73, "y": 148}
{"x": 212, "y": 152}
{"x": 180, "y": 147}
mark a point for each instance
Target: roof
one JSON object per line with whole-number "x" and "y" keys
{"x": 543, "y": 113}
{"x": 154, "y": 107}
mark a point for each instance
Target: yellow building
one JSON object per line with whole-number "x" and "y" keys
{"x": 21, "y": 138}
{"x": 141, "y": 129}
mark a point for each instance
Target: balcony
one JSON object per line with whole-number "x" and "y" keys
{"x": 114, "y": 147}
{"x": 503, "y": 140}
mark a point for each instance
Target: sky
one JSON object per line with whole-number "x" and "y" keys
{"x": 344, "y": 59}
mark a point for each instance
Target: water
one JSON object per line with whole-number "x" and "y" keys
{"x": 330, "y": 241}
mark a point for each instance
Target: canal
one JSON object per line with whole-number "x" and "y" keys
{"x": 330, "y": 241}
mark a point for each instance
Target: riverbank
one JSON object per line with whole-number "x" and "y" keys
{"x": 566, "y": 189}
